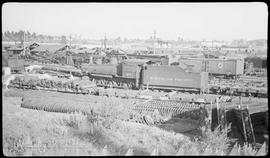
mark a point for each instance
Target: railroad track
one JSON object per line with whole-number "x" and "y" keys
{"x": 224, "y": 89}
{"x": 168, "y": 108}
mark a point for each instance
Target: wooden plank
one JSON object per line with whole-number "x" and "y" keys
{"x": 217, "y": 99}
{"x": 251, "y": 127}
{"x": 242, "y": 119}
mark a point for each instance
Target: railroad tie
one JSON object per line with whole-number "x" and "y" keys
{"x": 139, "y": 118}
{"x": 136, "y": 118}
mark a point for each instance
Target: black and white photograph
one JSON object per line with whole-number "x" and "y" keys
{"x": 134, "y": 79}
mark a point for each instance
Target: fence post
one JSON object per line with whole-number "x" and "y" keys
{"x": 218, "y": 120}
{"x": 210, "y": 114}
{"x": 242, "y": 119}
{"x": 251, "y": 128}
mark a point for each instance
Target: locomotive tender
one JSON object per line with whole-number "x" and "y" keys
{"x": 135, "y": 74}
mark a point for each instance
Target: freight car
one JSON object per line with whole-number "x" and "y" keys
{"x": 136, "y": 75}
{"x": 216, "y": 67}
{"x": 256, "y": 66}
{"x": 257, "y": 62}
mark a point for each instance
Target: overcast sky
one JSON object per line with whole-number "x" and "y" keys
{"x": 193, "y": 21}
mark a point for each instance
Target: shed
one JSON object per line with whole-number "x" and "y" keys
{"x": 16, "y": 49}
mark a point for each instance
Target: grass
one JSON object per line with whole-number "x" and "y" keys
{"x": 39, "y": 133}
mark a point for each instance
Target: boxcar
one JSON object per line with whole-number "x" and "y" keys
{"x": 226, "y": 66}
{"x": 172, "y": 77}
{"x": 233, "y": 67}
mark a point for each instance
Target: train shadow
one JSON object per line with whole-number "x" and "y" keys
{"x": 187, "y": 123}
{"x": 259, "y": 124}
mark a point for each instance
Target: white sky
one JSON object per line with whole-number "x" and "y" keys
{"x": 193, "y": 21}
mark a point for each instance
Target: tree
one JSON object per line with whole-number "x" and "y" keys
{"x": 118, "y": 39}
{"x": 63, "y": 39}
{"x": 7, "y": 35}
{"x": 34, "y": 36}
{"x": 28, "y": 35}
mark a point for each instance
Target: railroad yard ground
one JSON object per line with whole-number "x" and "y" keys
{"x": 35, "y": 132}
{"x": 57, "y": 134}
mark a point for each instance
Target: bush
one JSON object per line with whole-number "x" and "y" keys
{"x": 215, "y": 143}
{"x": 14, "y": 146}
{"x": 217, "y": 140}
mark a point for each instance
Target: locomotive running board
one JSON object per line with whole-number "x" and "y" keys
{"x": 171, "y": 88}
{"x": 102, "y": 75}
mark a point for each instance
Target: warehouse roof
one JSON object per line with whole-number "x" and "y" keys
{"x": 49, "y": 48}
{"x": 16, "y": 47}
{"x": 33, "y": 45}
{"x": 136, "y": 61}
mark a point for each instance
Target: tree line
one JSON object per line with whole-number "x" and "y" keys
{"x": 18, "y": 37}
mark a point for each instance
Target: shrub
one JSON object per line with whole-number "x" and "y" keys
{"x": 14, "y": 145}
{"x": 217, "y": 140}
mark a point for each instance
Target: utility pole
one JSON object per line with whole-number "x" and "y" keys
{"x": 105, "y": 42}
{"x": 70, "y": 40}
{"x": 154, "y": 41}
{"x": 211, "y": 50}
{"x": 23, "y": 42}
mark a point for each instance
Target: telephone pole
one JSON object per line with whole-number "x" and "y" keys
{"x": 70, "y": 40}
{"x": 105, "y": 42}
{"x": 23, "y": 42}
{"x": 154, "y": 41}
